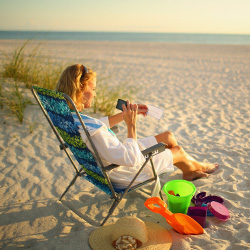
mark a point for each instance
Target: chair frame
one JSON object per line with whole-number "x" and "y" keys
{"x": 148, "y": 154}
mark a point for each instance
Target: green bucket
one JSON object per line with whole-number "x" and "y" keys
{"x": 185, "y": 190}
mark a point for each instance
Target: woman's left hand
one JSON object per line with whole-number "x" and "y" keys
{"x": 142, "y": 109}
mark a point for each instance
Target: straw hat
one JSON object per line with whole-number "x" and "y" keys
{"x": 130, "y": 233}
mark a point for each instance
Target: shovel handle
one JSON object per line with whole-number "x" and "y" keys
{"x": 150, "y": 204}
{"x": 161, "y": 207}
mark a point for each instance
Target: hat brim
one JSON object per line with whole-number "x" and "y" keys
{"x": 158, "y": 238}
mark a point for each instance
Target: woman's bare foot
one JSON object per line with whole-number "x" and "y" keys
{"x": 191, "y": 168}
{"x": 197, "y": 174}
{"x": 194, "y": 175}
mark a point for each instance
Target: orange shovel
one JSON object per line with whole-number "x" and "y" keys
{"x": 181, "y": 223}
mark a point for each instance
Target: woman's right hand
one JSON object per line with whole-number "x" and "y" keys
{"x": 130, "y": 118}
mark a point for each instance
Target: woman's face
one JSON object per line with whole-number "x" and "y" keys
{"x": 89, "y": 94}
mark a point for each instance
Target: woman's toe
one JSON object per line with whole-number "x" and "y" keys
{"x": 211, "y": 168}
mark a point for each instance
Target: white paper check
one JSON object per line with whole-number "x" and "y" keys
{"x": 154, "y": 112}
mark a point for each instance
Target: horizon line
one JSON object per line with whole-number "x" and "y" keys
{"x": 145, "y": 32}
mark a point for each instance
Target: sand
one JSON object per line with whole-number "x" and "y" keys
{"x": 204, "y": 90}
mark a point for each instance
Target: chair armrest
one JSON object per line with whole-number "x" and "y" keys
{"x": 154, "y": 150}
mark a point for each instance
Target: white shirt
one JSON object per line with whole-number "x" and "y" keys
{"x": 111, "y": 151}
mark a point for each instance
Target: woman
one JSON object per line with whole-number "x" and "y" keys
{"x": 79, "y": 83}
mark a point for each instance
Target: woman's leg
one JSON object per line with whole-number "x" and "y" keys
{"x": 167, "y": 138}
{"x": 190, "y": 168}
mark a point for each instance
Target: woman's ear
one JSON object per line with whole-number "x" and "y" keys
{"x": 81, "y": 86}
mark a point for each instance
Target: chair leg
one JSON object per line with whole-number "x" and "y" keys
{"x": 70, "y": 185}
{"x": 111, "y": 210}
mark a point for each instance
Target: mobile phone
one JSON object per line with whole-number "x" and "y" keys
{"x": 119, "y": 104}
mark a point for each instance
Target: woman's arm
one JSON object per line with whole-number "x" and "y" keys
{"x": 115, "y": 119}
{"x": 130, "y": 118}
{"x": 111, "y": 150}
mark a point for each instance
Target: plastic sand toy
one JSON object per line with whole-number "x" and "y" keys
{"x": 179, "y": 194}
{"x": 181, "y": 223}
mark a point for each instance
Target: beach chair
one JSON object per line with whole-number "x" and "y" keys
{"x": 59, "y": 116}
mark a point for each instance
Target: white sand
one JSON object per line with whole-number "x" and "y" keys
{"x": 204, "y": 90}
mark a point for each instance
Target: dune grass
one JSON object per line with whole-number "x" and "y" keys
{"x": 16, "y": 101}
{"x": 1, "y": 95}
{"x": 32, "y": 126}
{"x": 29, "y": 66}
{"x": 107, "y": 96}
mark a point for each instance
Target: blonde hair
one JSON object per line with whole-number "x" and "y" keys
{"x": 73, "y": 81}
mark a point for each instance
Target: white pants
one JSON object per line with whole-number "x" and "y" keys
{"x": 163, "y": 163}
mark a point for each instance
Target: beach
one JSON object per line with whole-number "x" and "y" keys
{"x": 204, "y": 91}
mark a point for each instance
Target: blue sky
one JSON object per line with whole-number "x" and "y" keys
{"x": 188, "y": 16}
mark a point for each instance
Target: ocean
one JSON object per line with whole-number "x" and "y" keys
{"x": 129, "y": 37}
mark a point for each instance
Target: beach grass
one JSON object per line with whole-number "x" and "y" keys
{"x": 16, "y": 101}
{"x": 107, "y": 96}
{"x": 28, "y": 65}
{"x": 1, "y": 95}
{"x": 32, "y": 126}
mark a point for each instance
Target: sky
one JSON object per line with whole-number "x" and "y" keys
{"x": 185, "y": 16}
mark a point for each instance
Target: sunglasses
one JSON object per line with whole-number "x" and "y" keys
{"x": 85, "y": 71}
